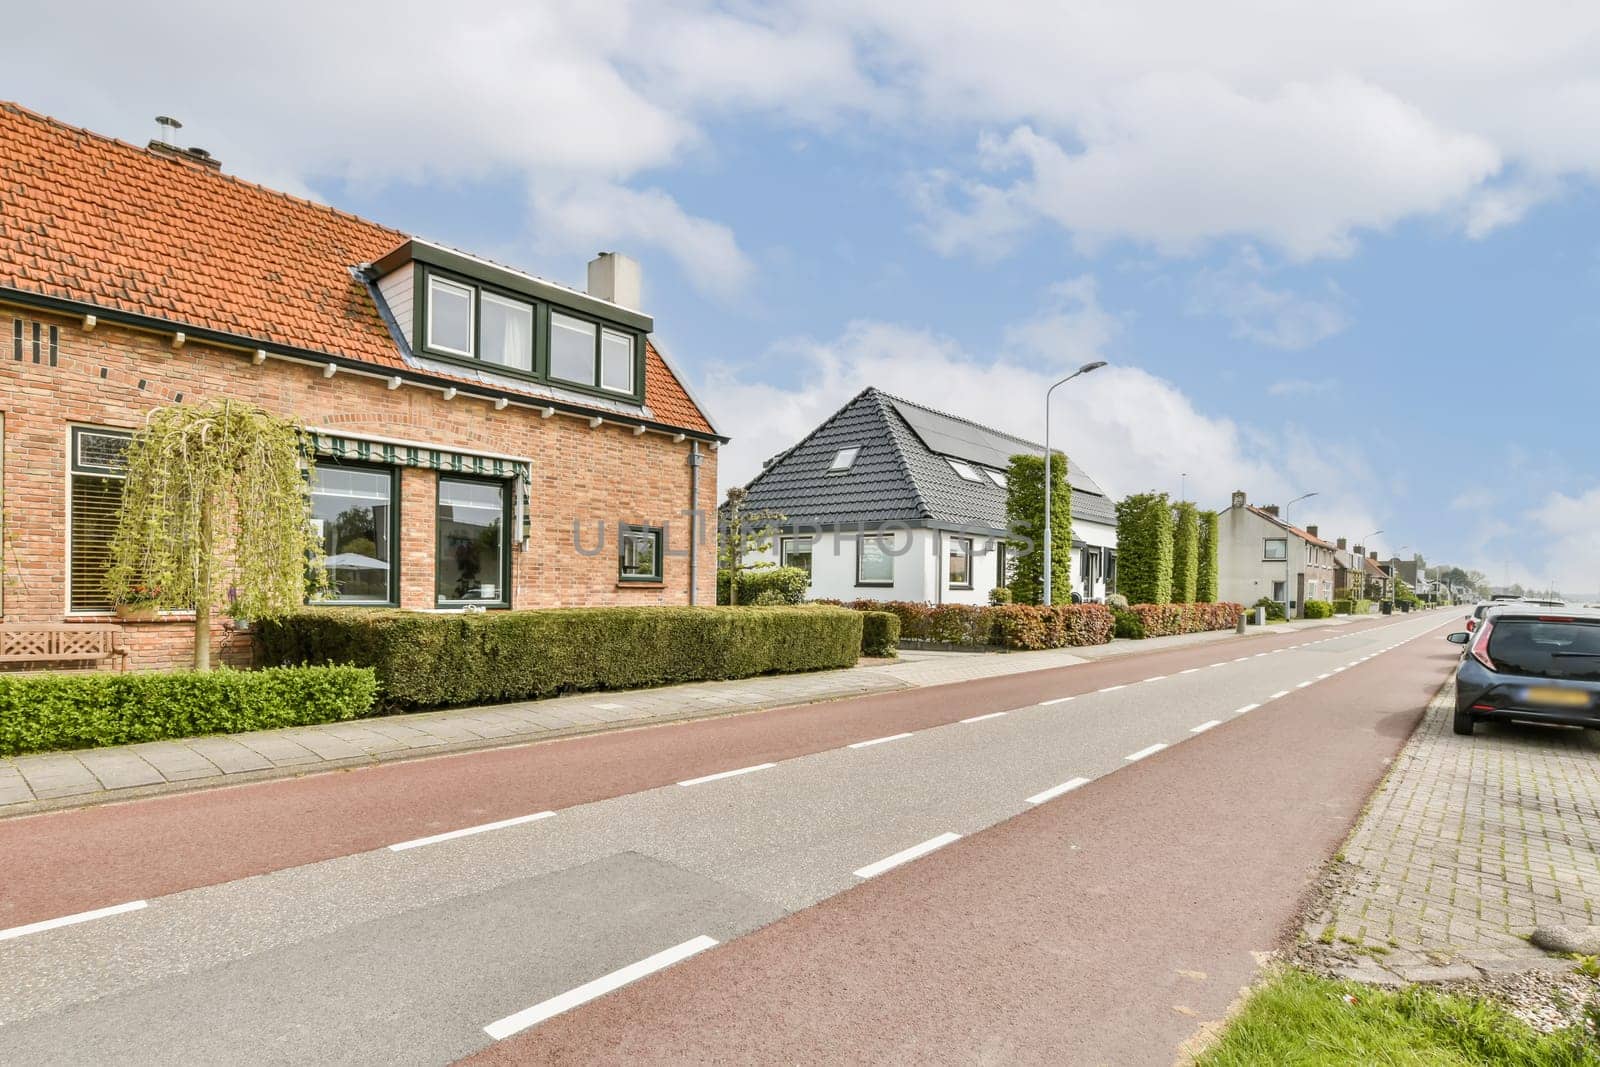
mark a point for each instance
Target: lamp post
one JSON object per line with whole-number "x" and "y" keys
{"x": 1366, "y": 542}
{"x": 1049, "y": 469}
{"x": 1288, "y": 568}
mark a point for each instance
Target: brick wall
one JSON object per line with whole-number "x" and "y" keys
{"x": 112, "y": 376}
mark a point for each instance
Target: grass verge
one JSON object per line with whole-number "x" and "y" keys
{"x": 1296, "y": 1018}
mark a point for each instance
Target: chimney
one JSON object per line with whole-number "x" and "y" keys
{"x": 198, "y": 156}
{"x": 1312, "y": 530}
{"x": 1238, "y": 498}
{"x": 1373, "y": 555}
{"x": 615, "y": 277}
{"x": 1344, "y": 545}
{"x": 1270, "y": 509}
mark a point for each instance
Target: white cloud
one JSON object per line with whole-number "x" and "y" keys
{"x": 1259, "y": 312}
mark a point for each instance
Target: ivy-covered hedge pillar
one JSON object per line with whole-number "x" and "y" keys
{"x": 1144, "y": 548}
{"x": 1206, "y": 587}
{"x": 1025, "y": 514}
{"x": 1185, "y": 553}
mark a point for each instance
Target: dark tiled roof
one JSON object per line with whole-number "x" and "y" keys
{"x": 898, "y": 477}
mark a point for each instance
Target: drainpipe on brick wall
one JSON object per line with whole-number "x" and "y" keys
{"x": 694, "y": 522}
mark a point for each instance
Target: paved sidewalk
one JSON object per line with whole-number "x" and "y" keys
{"x": 53, "y": 780}
{"x": 1468, "y": 845}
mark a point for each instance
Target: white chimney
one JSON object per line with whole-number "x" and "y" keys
{"x": 615, "y": 277}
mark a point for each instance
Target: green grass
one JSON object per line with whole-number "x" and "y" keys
{"x": 1298, "y": 1019}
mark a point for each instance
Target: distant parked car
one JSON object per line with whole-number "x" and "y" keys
{"x": 1530, "y": 664}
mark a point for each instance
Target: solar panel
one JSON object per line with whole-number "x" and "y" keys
{"x": 977, "y": 444}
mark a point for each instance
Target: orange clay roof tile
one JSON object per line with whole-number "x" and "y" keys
{"x": 91, "y": 219}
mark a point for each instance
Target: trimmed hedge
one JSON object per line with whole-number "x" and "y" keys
{"x": 1206, "y": 585}
{"x": 1186, "y": 553}
{"x": 1274, "y": 609}
{"x": 1015, "y": 626}
{"x": 880, "y": 633}
{"x": 766, "y": 586}
{"x": 1348, "y": 606}
{"x": 1128, "y": 626}
{"x": 427, "y": 660}
{"x": 1318, "y": 609}
{"x": 1144, "y": 547}
{"x": 85, "y": 710}
{"x": 1164, "y": 620}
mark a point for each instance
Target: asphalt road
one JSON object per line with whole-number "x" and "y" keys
{"x": 281, "y": 925}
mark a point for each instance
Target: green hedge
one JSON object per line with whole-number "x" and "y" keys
{"x": 1274, "y": 609}
{"x": 1349, "y": 606}
{"x": 1206, "y": 585}
{"x": 1145, "y": 548}
{"x": 766, "y": 586}
{"x": 1186, "y": 553}
{"x": 880, "y": 633}
{"x": 83, "y": 710}
{"x": 1128, "y": 626}
{"x": 1318, "y": 609}
{"x": 427, "y": 660}
{"x": 1016, "y": 626}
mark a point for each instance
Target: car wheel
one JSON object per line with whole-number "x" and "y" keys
{"x": 1463, "y": 723}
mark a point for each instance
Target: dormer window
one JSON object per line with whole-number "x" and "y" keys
{"x": 507, "y": 332}
{"x": 844, "y": 459}
{"x": 585, "y": 353}
{"x": 964, "y": 471}
{"x": 449, "y": 317}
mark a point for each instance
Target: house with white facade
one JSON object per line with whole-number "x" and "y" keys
{"x": 1260, "y": 555}
{"x": 890, "y": 500}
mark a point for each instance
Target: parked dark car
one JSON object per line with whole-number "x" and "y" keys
{"x": 1530, "y": 664}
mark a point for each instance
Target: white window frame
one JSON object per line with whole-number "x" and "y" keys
{"x": 844, "y": 459}
{"x": 633, "y": 360}
{"x": 472, "y": 316}
{"x": 73, "y": 432}
{"x": 964, "y": 470}
{"x": 997, "y": 477}
{"x": 508, "y": 302}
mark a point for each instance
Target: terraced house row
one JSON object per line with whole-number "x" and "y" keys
{"x": 477, "y": 431}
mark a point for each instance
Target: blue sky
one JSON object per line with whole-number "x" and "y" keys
{"x": 1314, "y": 261}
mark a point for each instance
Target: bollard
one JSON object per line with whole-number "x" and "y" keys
{"x": 1240, "y": 628}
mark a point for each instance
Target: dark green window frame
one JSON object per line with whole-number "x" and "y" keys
{"x": 540, "y": 359}
{"x": 657, "y": 534}
{"x": 506, "y": 513}
{"x": 394, "y": 533}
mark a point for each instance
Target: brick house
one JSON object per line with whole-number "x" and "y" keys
{"x": 483, "y": 438}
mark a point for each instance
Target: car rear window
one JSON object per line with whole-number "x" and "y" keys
{"x": 1546, "y": 649}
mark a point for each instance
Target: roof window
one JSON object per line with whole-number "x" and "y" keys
{"x": 964, "y": 470}
{"x": 844, "y": 459}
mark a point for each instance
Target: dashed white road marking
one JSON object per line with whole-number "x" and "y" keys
{"x": 1155, "y": 678}
{"x": 1324, "y": 674}
{"x": 71, "y": 920}
{"x": 470, "y": 830}
{"x": 1302, "y": 685}
{"x": 878, "y": 740}
{"x": 546, "y": 1009}
{"x": 1056, "y": 790}
{"x": 1279, "y": 693}
{"x": 981, "y": 718}
{"x": 1247, "y": 708}
{"x": 1191, "y": 670}
{"x": 1112, "y": 688}
{"x": 1203, "y": 727}
{"x": 1143, "y": 752}
{"x": 726, "y": 774}
{"x": 906, "y": 856}
{"x": 1057, "y": 700}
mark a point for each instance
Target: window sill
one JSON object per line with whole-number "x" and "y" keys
{"x": 874, "y": 585}
{"x": 650, "y": 583}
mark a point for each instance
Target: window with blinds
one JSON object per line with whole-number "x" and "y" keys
{"x": 94, "y": 502}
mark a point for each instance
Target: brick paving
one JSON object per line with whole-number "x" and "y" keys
{"x": 68, "y": 779}
{"x": 1468, "y": 845}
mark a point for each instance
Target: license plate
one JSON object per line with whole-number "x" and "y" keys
{"x": 1556, "y": 698}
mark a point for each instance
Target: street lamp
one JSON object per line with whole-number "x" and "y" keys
{"x": 1049, "y": 468}
{"x": 1366, "y": 542}
{"x": 1288, "y": 574}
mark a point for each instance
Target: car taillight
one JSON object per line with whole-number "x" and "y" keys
{"x": 1480, "y": 647}
{"x": 1472, "y": 624}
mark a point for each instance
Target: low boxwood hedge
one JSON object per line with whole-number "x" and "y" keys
{"x": 1015, "y": 626}
{"x": 880, "y": 633}
{"x": 1318, "y": 609}
{"x": 428, "y": 660}
{"x": 42, "y": 712}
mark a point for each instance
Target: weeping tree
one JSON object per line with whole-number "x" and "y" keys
{"x": 1185, "y": 553}
{"x": 216, "y": 512}
{"x": 1144, "y": 548}
{"x": 1025, "y": 516}
{"x": 1206, "y": 587}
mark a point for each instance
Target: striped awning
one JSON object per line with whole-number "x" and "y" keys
{"x": 448, "y": 460}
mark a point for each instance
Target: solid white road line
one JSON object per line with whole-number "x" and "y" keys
{"x": 1112, "y": 688}
{"x": 980, "y": 718}
{"x": 453, "y": 834}
{"x": 906, "y": 856}
{"x": 1143, "y": 752}
{"x": 1203, "y": 727}
{"x": 1056, "y": 790}
{"x": 1279, "y": 693}
{"x": 545, "y": 1009}
{"x": 726, "y": 774}
{"x": 878, "y": 740}
{"x": 71, "y": 920}
{"x": 1057, "y": 700}
{"x": 1247, "y": 707}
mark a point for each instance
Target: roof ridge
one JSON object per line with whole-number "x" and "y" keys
{"x": 959, "y": 418}
{"x": 117, "y": 142}
{"x": 899, "y": 456}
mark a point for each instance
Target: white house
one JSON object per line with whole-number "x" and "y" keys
{"x": 890, "y": 500}
{"x": 1261, "y": 555}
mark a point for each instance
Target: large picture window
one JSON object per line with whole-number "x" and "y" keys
{"x": 874, "y": 560}
{"x": 353, "y": 513}
{"x": 1275, "y": 548}
{"x": 98, "y": 470}
{"x": 639, "y": 554}
{"x": 471, "y": 567}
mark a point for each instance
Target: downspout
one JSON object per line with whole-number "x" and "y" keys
{"x": 694, "y": 522}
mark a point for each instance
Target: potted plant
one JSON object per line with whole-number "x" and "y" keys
{"x": 139, "y": 603}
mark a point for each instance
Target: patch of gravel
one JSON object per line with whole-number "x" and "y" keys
{"x": 1545, "y": 1000}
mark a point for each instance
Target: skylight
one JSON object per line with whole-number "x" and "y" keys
{"x": 965, "y": 471}
{"x": 844, "y": 459}
{"x": 997, "y": 477}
